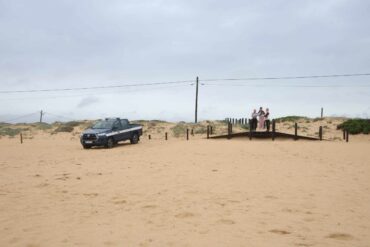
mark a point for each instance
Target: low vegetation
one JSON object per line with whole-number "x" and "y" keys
{"x": 42, "y": 126}
{"x": 179, "y": 129}
{"x": 290, "y": 119}
{"x": 64, "y": 128}
{"x": 5, "y": 131}
{"x": 356, "y": 126}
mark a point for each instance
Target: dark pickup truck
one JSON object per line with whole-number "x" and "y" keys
{"x": 109, "y": 132}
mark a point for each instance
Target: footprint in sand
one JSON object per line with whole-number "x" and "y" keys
{"x": 340, "y": 236}
{"x": 42, "y": 185}
{"x": 184, "y": 215}
{"x": 226, "y": 222}
{"x": 91, "y": 195}
{"x": 64, "y": 177}
{"x": 149, "y": 206}
{"x": 279, "y": 231}
{"x": 271, "y": 197}
{"x": 118, "y": 202}
{"x": 304, "y": 244}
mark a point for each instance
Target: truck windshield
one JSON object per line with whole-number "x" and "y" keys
{"x": 103, "y": 125}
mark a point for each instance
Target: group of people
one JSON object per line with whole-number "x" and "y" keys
{"x": 263, "y": 119}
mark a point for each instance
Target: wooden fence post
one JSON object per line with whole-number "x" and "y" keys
{"x": 229, "y": 131}
{"x": 347, "y": 136}
{"x": 187, "y": 134}
{"x": 295, "y": 131}
{"x": 344, "y": 134}
{"x": 149, "y": 137}
{"x": 207, "y": 131}
{"x": 21, "y": 136}
{"x": 211, "y": 130}
{"x": 273, "y": 129}
{"x": 320, "y": 133}
{"x": 166, "y": 136}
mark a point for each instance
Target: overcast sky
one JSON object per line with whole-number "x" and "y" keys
{"x": 86, "y": 43}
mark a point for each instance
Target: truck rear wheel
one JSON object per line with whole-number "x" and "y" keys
{"x": 134, "y": 139}
{"x": 110, "y": 143}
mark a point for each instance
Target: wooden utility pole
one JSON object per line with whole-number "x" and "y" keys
{"x": 196, "y": 100}
{"x": 41, "y": 114}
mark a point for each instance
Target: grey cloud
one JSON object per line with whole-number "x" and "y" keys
{"x": 57, "y": 44}
{"x": 88, "y": 101}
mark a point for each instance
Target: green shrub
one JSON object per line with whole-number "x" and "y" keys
{"x": 72, "y": 124}
{"x": 9, "y": 131}
{"x": 245, "y": 126}
{"x": 366, "y": 130}
{"x": 200, "y": 129}
{"x": 356, "y": 126}
{"x": 42, "y": 126}
{"x": 63, "y": 128}
{"x": 179, "y": 129}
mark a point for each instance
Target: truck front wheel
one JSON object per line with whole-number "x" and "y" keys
{"x": 110, "y": 143}
{"x": 134, "y": 139}
{"x": 86, "y": 146}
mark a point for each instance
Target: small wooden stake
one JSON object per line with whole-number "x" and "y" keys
{"x": 21, "y": 136}
{"x": 149, "y": 137}
{"x": 295, "y": 131}
{"x": 187, "y": 134}
{"x": 320, "y": 133}
{"x": 166, "y": 136}
{"x": 229, "y": 131}
{"x": 207, "y": 131}
{"x": 344, "y": 134}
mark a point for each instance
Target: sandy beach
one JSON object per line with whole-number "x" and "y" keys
{"x": 184, "y": 193}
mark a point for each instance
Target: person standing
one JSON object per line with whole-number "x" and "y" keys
{"x": 254, "y": 120}
{"x": 267, "y": 120}
{"x": 261, "y": 118}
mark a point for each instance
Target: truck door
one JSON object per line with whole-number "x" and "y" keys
{"x": 125, "y": 129}
{"x": 117, "y": 128}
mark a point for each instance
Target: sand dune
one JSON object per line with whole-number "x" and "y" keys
{"x": 184, "y": 193}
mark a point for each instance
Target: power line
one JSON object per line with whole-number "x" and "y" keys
{"x": 288, "y": 77}
{"x": 179, "y": 82}
{"x": 20, "y": 117}
{"x": 296, "y": 86}
{"x": 97, "y": 87}
{"x": 59, "y": 116}
{"x": 96, "y": 94}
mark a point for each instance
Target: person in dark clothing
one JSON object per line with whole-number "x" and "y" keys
{"x": 267, "y": 120}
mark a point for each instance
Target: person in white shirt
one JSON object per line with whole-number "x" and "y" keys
{"x": 254, "y": 120}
